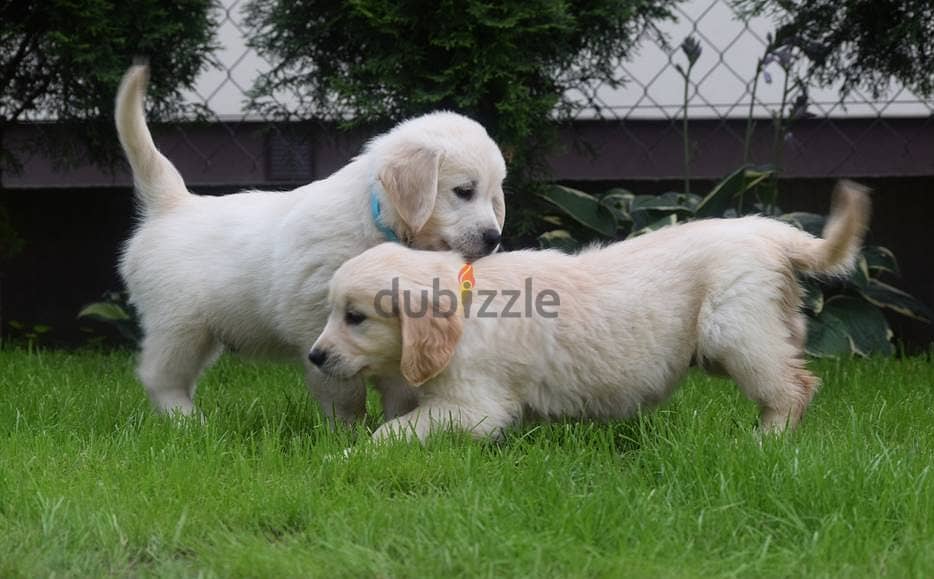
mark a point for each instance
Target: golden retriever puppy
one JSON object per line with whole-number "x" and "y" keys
{"x": 250, "y": 271}
{"x": 595, "y": 335}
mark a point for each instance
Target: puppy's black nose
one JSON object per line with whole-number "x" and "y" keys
{"x": 317, "y": 357}
{"x": 491, "y": 238}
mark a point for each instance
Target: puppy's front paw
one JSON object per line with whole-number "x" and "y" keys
{"x": 392, "y": 430}
{"x": 342, "y": 455}
{"x": 184, "y": 421}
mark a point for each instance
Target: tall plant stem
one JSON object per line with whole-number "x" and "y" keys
{"x": 779, "y": 136}
{"x": 750, "y": 123}
{"x": 687, "y": 141}
{"x": 778, "y": 140}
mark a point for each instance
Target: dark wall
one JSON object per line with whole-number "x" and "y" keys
{"x": 73, "y": 239}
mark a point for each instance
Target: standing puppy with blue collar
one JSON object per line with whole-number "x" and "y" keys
{"x": 251, "y": 270}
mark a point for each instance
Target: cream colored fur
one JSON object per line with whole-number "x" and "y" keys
{"x": 250, "y": 271}
{"x": 632, "y": 317}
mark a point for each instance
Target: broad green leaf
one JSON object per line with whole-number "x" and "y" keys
{"x": 618, "y": 195}
{"x": 650, "y": 210}
{"x": 863, "y": 323}
{"x": 721, "y": 197}
{"x": 810, "y": 222}
{"x": 671, "y": 201}
{"x": 552, "y": 220}
{"x": 813, "y": 298}
{"x": 558, "y": 239}
{"x": 618, "y": 201}
{"x": 827, "y": 337}
{"x": 104, "y": 311}
{"x": 859, "y": 277}
{"x": 886, "y": 296}
{"x": 583, "y": 208}
{"x": 665, "y": 221}
{"x": 880, "y": 259}
{"x": 41, "y": 329}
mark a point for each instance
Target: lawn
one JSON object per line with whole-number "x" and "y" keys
{"x": 91, "y": 483}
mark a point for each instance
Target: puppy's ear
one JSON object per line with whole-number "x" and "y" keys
{"x": 429, "y": 340}
{"x": 410, "y": 178}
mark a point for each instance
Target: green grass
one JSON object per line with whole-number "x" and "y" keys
{"x": 91, "y": 483}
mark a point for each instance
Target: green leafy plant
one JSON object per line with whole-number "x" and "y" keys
{"x": 692, "y": 51}
{"x": 116, "y": 311}
{"x": 844, "y": 315}
{"x": 32, "y": 334}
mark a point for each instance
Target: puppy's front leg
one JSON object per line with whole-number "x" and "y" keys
{"x": 397, "y": 396}
{"x": 340, "y": 401}
{"x": 432, "y": 416}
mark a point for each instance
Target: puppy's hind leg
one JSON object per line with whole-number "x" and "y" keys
{"x": 777, "y": 382}
{"x": 169, "y": 366}
{"x": 803, "y": 383}
{"x": 764, "y": 354}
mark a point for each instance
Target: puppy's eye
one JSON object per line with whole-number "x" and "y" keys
{"x": 465, "y": 192}
{"x": 353, "y": 318}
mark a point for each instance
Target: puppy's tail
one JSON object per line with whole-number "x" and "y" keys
{"x": 159, "y": 185}
{"x": 843, "y": 234}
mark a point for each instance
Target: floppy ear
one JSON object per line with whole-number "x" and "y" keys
{"x": 410, "y": 178}
{"x": 428, "y": 342}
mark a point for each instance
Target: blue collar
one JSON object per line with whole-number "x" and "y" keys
{"x": 388, "y": 233}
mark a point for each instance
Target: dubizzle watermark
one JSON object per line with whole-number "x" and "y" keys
{"x": 525, "y": 302}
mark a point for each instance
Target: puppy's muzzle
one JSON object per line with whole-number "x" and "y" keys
{"x": 318, "y": 357}
{"x": 491, "y": 239}
{"x": 479, "y": 244}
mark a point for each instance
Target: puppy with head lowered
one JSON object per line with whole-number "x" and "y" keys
{"x": 619, "y": 328}
{"x": 250, "y": 271}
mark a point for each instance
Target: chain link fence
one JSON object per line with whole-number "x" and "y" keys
{"x": 833, "y": 136}
{"x": 639, "y": 120}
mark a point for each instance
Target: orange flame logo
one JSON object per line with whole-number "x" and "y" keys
{"x": 465, "y": 279}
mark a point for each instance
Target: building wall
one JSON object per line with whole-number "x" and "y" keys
{"x": 73, "y": 240}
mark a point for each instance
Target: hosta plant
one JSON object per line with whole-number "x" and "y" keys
{"x": 116, "y": 311}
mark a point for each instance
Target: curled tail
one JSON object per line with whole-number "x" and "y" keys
{"x": 836, "y": 252}
{"x": 159, "y": 185}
